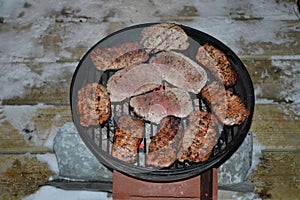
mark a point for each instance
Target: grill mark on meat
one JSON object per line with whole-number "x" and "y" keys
{"x": 93, "y": 105}
{"x": 181, "y": 71}
{"x": 164, "y": 145}
{"x": 127, "y": 138}
{"x": 199, "y": 137}
{"x": 156, "y": 105}
{"x": 217, "y": 62}
{"x": 160, "y": 37}
{"x": 118, "y": 57}
{"x": 226, "y": 105}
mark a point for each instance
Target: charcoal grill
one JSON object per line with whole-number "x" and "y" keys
{"x": 99, "y": 138}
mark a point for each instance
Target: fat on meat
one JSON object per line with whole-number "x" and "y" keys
{"x": 156, "y": 105}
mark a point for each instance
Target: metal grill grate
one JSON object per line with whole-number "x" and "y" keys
{"x": 100, "y": 139}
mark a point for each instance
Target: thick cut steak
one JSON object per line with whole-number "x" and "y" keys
{"x": 217, "y": 62}
{"x": 165, "y": 36}
{"x": 127, "y": 138}
{"x": 93, "y": 105}
{"x": 226, "y": 105}
{"x": 181, "y": 71}
{"x": 165, "y": 144}
{"x": 133, "y": 81}
{"x": 156, "y": 105}
{"x": 118, "y": 57}
{"x": 199, "y": 137}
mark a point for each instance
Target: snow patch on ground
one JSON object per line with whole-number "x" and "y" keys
{"x": 20, "y": 117}
{"x": 50, "y": 159}
{"x": 50, "y": 193}
{"x": 256, "y": 155}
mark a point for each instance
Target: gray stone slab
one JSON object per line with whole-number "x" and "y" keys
{"x": 75, "y": 161}
{"x": 232, "y": 174}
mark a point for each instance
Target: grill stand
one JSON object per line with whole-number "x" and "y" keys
{"x": 204, "y": 187}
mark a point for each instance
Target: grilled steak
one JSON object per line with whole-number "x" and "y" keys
{"x": 217, "y": 62}
{"x": 164, "y": 36}
{"x": 118, "y": 57}
{"x": 132, "y": 81}
{"x": 127, "y": 138}
{"x": 164, "y": 145}
{"x": 199, "y": 137}
{"x": 181, "y": 72}
{"x": 226, "y": 105}
{"x": 93, "y": 105}
{"x": 158, "y": 104}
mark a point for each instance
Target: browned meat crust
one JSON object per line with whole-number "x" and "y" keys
{"x": 164, "y": 145}
{"x": 199, "y": 137}
{"x": 118, "y": 57}
{"x": 93, "y": 105}
{"x": 217, "y": 62}
{"x": 165, "y": 36}
{"x": 181, "y": 72}
{"x": 127, "y": 138}
{"x": 226, "y": 105}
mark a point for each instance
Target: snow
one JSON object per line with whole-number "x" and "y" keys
{"x": 256, "y": 155}
{"x": 50, "y": 193}
{"x": 50, "y": 159}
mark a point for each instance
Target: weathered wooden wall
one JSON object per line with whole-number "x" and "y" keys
{"x": 39, "y": 53}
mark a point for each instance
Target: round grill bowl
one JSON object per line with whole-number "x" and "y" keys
{"x": 99, "y": 138}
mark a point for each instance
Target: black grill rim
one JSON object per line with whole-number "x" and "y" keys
{"x": 165, "y": 175}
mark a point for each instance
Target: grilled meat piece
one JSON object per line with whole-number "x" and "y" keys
{"x": 174, "y": 68}
{"x": 199, "y": 137}
{"x": 118, "y": 57}
{"x": 165, "y": 36}
{"x": 93, "y": 105}
{"x": 156, "y": 105}
{"x": 226, "y": 105}
{"x": 164, "y": 145}
{"x": 217, "y": 62}
{"x": 181, "y": 72}
{"x": 132, "y": 81}
{"x": 127, "y": 138}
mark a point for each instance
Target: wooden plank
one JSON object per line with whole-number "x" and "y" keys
{"x": 47, "y": 83}
{"x": 27, "y": 128}
{"x": 275, "y": 80}
{"x": 275, "y": 128}
{"x": 20, "y": 175}
{"x": 278, "y": 175}
{"x": 272, "y": 125}
{"x": 68, "y": 42}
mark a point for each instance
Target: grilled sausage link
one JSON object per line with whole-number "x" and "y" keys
{"x": 217, "y": 62}
{"x": 226, "y": 105}
{"x": 127, "y": 138}
{"x": 199, "y": 137}
{"x": 164, "y": 145}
